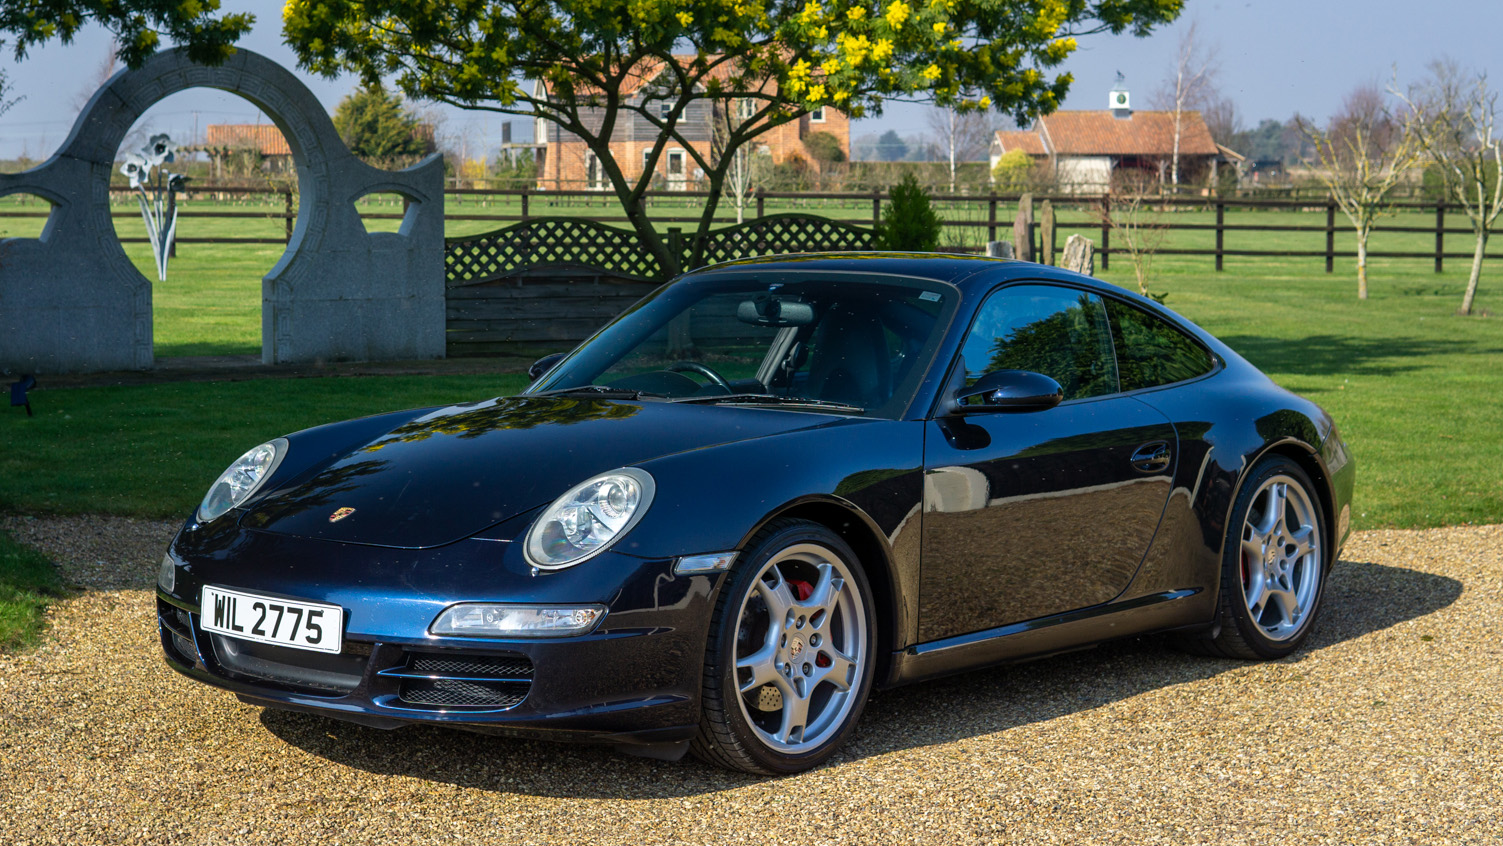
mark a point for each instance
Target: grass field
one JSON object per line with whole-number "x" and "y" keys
{"x": 28, "y": 584}
{"x": 210, "y": 303}
{"x": 1418, "y": 391}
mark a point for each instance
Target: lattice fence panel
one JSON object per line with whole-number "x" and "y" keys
{"x": 785, "y": 233}
{"x": 572, "y": 244}
{"x": 545, "y": 241}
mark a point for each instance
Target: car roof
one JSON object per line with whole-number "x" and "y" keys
{"x": 971, "y": 274}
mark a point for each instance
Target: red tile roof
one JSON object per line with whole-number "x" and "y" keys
{"x": 1093, "y": 133}
{"x": 649, "y": 69}
{"x": 1028, "y": 142}
{"x": 265, "y": 138}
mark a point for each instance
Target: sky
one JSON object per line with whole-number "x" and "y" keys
{"x": 1274, "y": 58}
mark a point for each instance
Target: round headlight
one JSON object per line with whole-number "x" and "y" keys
{"x": 242, "y": 479}
{"x": 589, "y": 518}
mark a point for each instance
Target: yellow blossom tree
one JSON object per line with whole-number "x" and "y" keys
{"x": 602, "y": 63}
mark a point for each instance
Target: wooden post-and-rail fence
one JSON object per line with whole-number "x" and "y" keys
{"x": 983, "y": 215}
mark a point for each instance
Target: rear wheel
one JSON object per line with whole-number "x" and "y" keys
{"x": 789, "y": 662}
{"x": 1274, "y": 566}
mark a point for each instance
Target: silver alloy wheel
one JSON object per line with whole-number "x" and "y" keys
{"x": 799, "y": 662}
{"x": 1281, "y": 558}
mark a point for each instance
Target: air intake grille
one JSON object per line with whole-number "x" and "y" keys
{"x": 177, "y": 629}
{"x": 493, "y": 666}
{"x": 453, "y": 693}
{"x": 439, "y": 680}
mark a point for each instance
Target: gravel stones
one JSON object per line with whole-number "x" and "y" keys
{"x": 1386, "y": 728}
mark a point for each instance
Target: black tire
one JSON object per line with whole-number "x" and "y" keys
{"x": 1272, "y": 579}
{"x": 820, "y": 667}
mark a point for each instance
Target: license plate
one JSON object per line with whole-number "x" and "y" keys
{"x": 266, "y": 619}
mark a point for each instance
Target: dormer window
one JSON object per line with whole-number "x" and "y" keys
{"x": 818, "y": 115}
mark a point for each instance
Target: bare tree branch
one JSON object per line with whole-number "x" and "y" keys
{"x": 1455, "y": 120}
{"x": 1191, "y": 83}
{"x": 1362, "y": 154}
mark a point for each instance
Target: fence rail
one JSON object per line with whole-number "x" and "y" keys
{"x": 987, "y": 214}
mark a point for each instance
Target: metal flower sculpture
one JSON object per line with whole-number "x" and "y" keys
{"x": 158, "y": 197}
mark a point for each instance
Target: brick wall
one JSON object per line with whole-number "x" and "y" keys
{"x": 566, "y": 161}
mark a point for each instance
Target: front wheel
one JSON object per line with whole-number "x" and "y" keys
{"x": 1274, "y": 565}
{"x": 791, "y": 653}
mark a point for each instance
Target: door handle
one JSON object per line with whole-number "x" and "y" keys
{"x": 1151, "y": 457}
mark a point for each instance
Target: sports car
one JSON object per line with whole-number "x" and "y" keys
{"x": 762, "y": 491}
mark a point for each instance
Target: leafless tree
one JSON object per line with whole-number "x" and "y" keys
{"x": 1190, "y": 85}
{"x": 1455, "y": 118}
{"x": 1137, "y": 221}
{"x": 963, "y": 136}
{"x": 728, "y": 118}
{"x": 1221, "y": 118}
{"x": 1360, "y": 156}
{"x": 4, "y": 86}
{"x": 108, "y": 65}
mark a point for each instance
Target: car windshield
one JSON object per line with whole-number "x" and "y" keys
{"x": 843, "y": 343}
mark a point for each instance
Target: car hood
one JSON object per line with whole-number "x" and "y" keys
{"x": 454, "y": 472}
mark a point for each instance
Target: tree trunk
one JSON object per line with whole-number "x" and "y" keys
{"x": 1174, "y": 168}
{"x": 1471, "y": 282}
{"x": 952, "y": 151}
{"x": 1362, "y": 264}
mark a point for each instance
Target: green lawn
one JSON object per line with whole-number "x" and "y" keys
{"x": 153, "y": 450}
{"x": 28, "y": 584}
{"x": 211, "y": 301}
{"x": 1416, "y": 389}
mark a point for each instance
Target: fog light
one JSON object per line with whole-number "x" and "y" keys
{"x": 167, "y": 574}
{"x": 475, "y": 619}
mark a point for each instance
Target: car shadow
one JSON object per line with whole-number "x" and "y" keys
{"x": 1361, "y": 598}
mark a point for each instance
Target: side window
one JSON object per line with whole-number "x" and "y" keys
{"x": 1150, "y": 352}
{"x": 1059, "y": 332}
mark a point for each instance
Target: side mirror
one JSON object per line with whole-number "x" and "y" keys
{"x": 1011, "y": 390}
{"x": 543, "y": 365}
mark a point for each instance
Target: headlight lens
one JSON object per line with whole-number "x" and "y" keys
{"x": 242, "y": 479}
{"x": 589, "y": 518}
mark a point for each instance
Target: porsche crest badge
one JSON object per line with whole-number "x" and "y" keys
{"x": 340, "y": 514}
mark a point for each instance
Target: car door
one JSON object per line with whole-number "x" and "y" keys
{"x": 1031, "y": 514}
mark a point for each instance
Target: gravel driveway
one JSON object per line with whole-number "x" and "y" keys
{"x": 1387, "y": 728}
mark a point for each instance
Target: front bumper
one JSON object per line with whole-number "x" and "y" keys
{"x": 634, "y": 681}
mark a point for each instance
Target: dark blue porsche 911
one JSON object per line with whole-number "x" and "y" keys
{"x": 766, "y": 488}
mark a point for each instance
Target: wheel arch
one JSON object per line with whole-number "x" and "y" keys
{"x": 1307, "y": 457}
{"x": 873, "y": 555}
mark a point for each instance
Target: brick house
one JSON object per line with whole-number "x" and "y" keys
{"x": 265, "y": 139}
{"x": 1082, "y": 149}
{"x": 564, "y": 161}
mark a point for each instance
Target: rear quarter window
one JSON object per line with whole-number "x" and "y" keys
{"x": 1150, "y": 352}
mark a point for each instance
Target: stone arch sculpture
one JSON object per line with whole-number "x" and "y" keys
{"x": 72, "y": 300}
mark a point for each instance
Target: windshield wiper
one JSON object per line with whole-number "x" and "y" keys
{"x": 771, "y": 399}
{"x": 600, "y": 392}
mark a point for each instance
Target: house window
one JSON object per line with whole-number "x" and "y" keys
{"x": 665, "y": 109}
{"x": 818, "y": 115}
{"x": 646, "y": 155}
{"x": 675, "y": 170}
{"x": 593, "y": 173}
